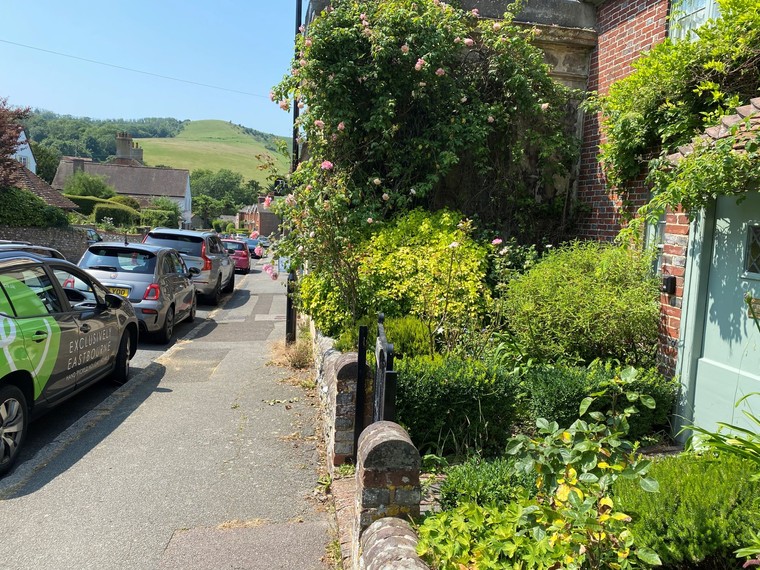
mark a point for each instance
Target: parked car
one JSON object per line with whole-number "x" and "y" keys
{"x": 41, "y": 250}
{"x": 252, "y": 244}
{"x": 56, "y": 341}
{"x": 93, "y": 237}
{"x": 238, "y": 249}
{"x": 155, "y": 279}
{"x": 264, "y": 241}
{"x": 204, "y": 251}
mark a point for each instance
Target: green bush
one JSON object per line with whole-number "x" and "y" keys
{"x": 702, "y": 513}
{"x": 120, "y": 215}
{"x": 318, "y": 299}
{"x": 408, "y": 335}
{"x": 555, "y": 393}
{"x": 485, "y": 482}
{"x": 126, "y": 201}
{"x": 85, "y": 184}
{"x": 218, "y": 225}
{"x": 455, "y": 406}
{"x": 21, "y": 208}
{"x": 157, "y": 218}
{"x": 86, "y": 203}
{"x": 585, "y": 301}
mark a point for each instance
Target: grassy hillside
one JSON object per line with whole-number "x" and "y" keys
{"x": 214, "y": 145}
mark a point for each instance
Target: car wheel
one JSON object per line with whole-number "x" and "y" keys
{"x": 13, "y": 422}
{"x": 230, "y": 287}
{"x": 121, "y": 371}
{"x": 165, "y": 334}
{"x": 193, "y": 309}
{"x": 216, "y": 295}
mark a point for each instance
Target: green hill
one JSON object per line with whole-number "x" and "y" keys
{"x": 214, "y": 145}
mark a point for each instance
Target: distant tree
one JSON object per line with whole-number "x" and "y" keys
{"x": 226, "y": 186}
{"x": 47, "y": 159}
{"x": 169, "y": 205}
{"x": 84, "y": 184}
{"x": 10, "y": 128}
{"x": 207, "y": 208}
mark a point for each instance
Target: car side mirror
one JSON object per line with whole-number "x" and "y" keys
{"x": 193, "y": 271}
{"x": 114, "y": 301}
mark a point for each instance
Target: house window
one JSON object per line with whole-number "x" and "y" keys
{"x": 752, "y": 259}
{"x": 23, "y": 160}
{"x": 688, "y": 15}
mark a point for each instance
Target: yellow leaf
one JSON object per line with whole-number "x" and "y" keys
{"x": 603, "y": 465}
{"x": 563, "y": 491}
{"x": 606, "y": 502}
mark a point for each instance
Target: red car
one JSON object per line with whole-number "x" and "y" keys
{"x": 239, "y": 253}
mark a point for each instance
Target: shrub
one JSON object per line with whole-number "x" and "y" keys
{"x": 556, "y": 392}
{"x": 126, "y": 201}
{"x": 485, "y": 482}
{"x": 408, "y": 335}
{"x": 701, "y": 514}
{"x": 218, "y": 225}
{"x": 85, "y": 184}
{"x": 86, "y": 203}
{"x": 20, "y": 208}
{"x": 120, "y": 215}
{"x": 452, "y": 405}
{"x": 322, "y": 302}
{"x": 586, "y": 301}
{"x": 157, "y": 218}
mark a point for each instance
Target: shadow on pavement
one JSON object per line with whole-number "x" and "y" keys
{"x": 59, "y": 439}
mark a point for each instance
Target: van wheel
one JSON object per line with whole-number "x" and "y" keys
{"x": 193, "y": 310}
{"x": 14, "y": 418}
{"x": 121, "y": 371}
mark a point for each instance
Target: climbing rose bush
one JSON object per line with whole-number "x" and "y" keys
{"x": 392, "y": 96}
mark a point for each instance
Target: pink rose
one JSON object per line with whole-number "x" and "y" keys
{"x": 370, "y": 220}
{"x": 440, "y": 72}
{"x": 254, "y": 234}
{"x": 341, "y": 126}
{"x": 319, "y": 124}
{"x": 274, "y": 275}
{"x": 307, "y": 42}
{"x": 496, "y": 241}
{"x": 303, "y": 63}
{"x": 386, "y": 197}
{"x": 290, "y": 200}
{"x": 420, "y": 64}
{"x": 258, "y": 250}
{"x": 327, "y": 165}
{"x": 491, "y": 119}
{"x": 267, "y": 201}
{"x": 268, "y": 268}
{"x": 469, "y": 42}
{"x": 405, "y": 48}
{"x": 285, "y": 105}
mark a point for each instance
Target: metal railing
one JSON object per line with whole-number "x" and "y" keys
{"x": 384, "y": 380}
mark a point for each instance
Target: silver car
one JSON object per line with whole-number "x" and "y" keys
{"x": 155, "y": 279}
{"x": 203, "y": 251}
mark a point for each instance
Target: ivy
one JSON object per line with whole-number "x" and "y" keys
{"x": 678, "y": 88}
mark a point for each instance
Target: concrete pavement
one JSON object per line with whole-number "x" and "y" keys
{"x": 205, "y": 460}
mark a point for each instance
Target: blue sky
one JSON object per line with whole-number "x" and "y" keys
{"x": 235, "y": 45}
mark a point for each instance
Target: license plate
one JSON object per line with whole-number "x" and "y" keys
{"x": 119, "y": 291}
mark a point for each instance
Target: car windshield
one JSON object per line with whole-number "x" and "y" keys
{"x": 119, "y": 260}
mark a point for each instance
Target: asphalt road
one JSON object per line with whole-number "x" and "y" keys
{"x": 205, "y": 459}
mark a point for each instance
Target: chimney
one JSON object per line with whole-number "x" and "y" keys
{"x": 78, "y": 165}
{"x": 123, "y": 145}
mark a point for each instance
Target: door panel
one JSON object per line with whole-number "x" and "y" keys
{"x": 729, "y": 359}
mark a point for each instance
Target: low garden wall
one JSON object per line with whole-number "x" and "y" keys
{"x": 71, "y": 242}
{"x": 372, "y": 508}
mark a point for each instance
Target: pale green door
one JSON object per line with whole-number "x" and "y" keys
{"x": 728, "y": 366}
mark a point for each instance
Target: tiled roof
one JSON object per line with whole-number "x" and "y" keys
{"x": 22, "y": 177}
{"x": 744, "y": 125}
{"x": 131, "y": 180}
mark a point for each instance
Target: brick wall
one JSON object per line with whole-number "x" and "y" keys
{"x": 71, "y": 242}
{"x": 674, "y": 252}
{"x": 625, "y": 28}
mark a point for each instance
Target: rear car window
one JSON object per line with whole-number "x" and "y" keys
{"x": 119, "y": 260}
{"x": 189, "y": 245}
{"x": 233, "y": 245}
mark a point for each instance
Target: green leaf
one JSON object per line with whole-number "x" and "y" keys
{"x": 649, "y": 485}
{"x": 585, "y": 405}
{"x": 648, "y": 556}
{"x": 648, "y": 401}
